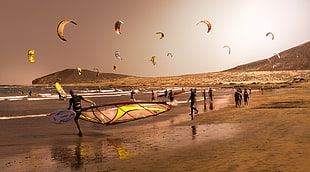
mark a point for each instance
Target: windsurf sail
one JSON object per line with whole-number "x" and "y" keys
{"x": 113, "y": 113}
{"x": 60, "y": 90}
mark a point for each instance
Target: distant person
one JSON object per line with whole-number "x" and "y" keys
{"x": 237, "y": 98}
{"x": 132, "y": 95}
{"x": 171, "y": 96}
{"x": 192, "y": 99}
{"x": 250, "y": 90}
{"x": 246, "y": 97}
{"x": 166, "y": 93}
{"x": 262, "y": 89}
{"x": 204, "y": 95}
{"x": 75, "y": 103}
{"x": 30, "y": 93}
{"x": 154, "y": 95}
{"x": 210, "y": 94}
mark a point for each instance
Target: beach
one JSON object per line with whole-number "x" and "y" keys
{"x": 271, "y": 134}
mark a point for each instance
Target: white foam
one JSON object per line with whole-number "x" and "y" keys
{"x": 23, "y": 116}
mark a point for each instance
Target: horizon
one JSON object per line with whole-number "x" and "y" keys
{"x": 91, "y": 43}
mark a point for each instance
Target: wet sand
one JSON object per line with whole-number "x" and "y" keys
{"x": 271, "y": 134}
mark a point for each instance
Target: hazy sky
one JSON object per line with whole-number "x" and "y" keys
{"x": 241, "y": 24}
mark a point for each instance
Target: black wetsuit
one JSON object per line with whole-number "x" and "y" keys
{"x": 75, "y": 101}
{"x": 246, "y": 97}
{"x": 192, "y": 98}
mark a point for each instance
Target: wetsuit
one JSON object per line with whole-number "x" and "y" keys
{"x": 246, "y": 97}
{"x": 75, "y": 101}
{"x": 192, "y": 98}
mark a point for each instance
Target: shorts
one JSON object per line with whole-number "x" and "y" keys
{"x": 77, "y": 115}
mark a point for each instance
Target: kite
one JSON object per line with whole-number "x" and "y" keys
{"x": 118, "y": 55}
{"x": 114, "y": 68}
{"x": 60, "y": 28}
{"x": 31, "y": 56}
{"x": 162, "y": 35}
{"x": 229, "y": 50}
{"x": 269, "y": 33}
{"x": 170, "y": 54}
{"x": 153, "y": 60}
{"x": 115, "y": 113}
{"x": 118, "y": 26}
{"x": 207, "y": 23}
{"x": 79, "y": 70}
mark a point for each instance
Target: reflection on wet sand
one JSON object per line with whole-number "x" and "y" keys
{"x": 78, "y": 154}
{"x": 122, "y": 152}
{"x": 211, "y": 107}
{"x": 84, "y": 151}
{"x": 87, "y": 152}
{"x": 194, "y": 132}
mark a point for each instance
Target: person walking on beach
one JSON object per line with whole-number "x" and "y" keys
{"x": 132, "y": 95}
{"x": 237, "y": 98}
{"x": 204, "y": 95}
{"x": 171, "y": 96}
{"x": 246, "y": 97}
{"x": 210, "y": 94}
{"x": 75, "y": 103}
{"x": 154, "y": 96}
{"x": 166, "y": 93}
{"x": 192, "y": 98}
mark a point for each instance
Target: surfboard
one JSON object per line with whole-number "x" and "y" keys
{"x": 62, "y": 116}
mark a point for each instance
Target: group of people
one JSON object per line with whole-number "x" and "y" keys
{"x": 239, "y": 96}
{"x": 192, "y": 100}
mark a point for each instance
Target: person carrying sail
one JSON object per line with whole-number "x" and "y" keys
{"x": 75, "y": 103}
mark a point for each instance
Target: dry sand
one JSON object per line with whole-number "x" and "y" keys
{"x": 271, "y": 134}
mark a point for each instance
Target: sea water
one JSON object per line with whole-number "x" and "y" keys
{"x": 15, "y": 93}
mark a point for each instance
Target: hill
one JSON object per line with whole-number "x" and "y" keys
{"x": 296, "y": 58}
{"x": 71, "y": 76}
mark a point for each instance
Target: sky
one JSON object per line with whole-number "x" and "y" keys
{"x": 240, "y": 24}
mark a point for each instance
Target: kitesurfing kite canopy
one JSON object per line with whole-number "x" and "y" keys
{"x": 117, "y": 26}
{"x": 162, "y": 35}
{"x": 31, "y": 56}
{"x": 114, "y": 68}
{"x": 79, "y": 70}
{"x": 170, "y": 54}
{"x": 153, "y": 60}
{"x": 114, "y": 113}
{"x": 229, "y": 50}
{"x": 207, "y": 23}
{"x": 60, "y": 28}
{"x": 270, "y": 33}
{"x": 118, "y": 55}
